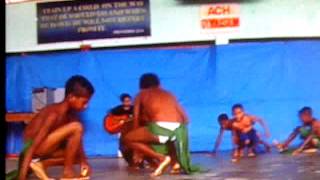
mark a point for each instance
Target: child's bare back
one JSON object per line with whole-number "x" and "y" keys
{"x": 160, "y": 105}
{"x": 54, "y": 110}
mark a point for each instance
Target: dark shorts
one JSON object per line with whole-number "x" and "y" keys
{"x": 251, "y": 136}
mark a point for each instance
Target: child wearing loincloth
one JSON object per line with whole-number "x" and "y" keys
{"x": 54, "y": 135}
{"x": 159, "y": 120}
{"x": 308, "y": 128}
{"x": 243, "y": 128}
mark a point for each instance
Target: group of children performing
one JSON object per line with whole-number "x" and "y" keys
{"x": 245, "y": 136}
{"x": 243, "y": 132}
{"x": 159, "y": 134}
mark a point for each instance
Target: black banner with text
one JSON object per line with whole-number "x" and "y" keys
{"x": 92, "y": 19}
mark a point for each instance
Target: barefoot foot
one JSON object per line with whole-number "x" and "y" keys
{"x": 251, "y": 154}
{"x": 175, "y": 169}
{"x": 38, "y": 170}
{"x": 161, "y": 167}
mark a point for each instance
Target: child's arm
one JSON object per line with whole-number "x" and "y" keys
{"x": 84, "y": 165}
{"x": 261, "y": 122}
{"x": 41, "y": 135}
{"x": 218, "y": 140}
{"x": 306, "y": 141}
{"x": 235, "y": 140}
{"x": 291, "y": 137}
{"x": 315, "y": 131}
{"x": 83, "y": 158}
{"x": 136, "y": 112}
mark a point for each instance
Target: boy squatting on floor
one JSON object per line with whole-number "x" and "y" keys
{"x": 309, "y": 132}
{"x": 159, "y": 119}
{"x": 243, "y": 128}
{"x": 55, "y": 134}
{"x": 226, "y": 124}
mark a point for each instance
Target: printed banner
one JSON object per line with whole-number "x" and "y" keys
{"x": 94, "y": 19}
{"x": 220, "y": 16}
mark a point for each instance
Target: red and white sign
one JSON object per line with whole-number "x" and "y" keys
{"x": 220, "y": 16}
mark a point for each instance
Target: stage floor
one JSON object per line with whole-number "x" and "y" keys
{"x": 264, "y": 167}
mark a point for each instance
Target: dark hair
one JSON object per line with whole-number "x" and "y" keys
{"x": 305, "y": 109}
{"x": 235, "y": 106}
{"x": 149, "y": 80}
{"x": 222, "y": 117}
{"x": 123, "y": 96}
{"x": 78, "y": 86}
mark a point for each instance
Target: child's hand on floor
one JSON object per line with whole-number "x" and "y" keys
{"x": 85, "y": 170}
{"x": 296, "y": 152}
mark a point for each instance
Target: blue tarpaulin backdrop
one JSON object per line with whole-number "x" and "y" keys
{"x": 272, "y": 80}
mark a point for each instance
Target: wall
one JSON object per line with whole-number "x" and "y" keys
{"x": 175, "y": 21}
{"x": 273, "y": 80}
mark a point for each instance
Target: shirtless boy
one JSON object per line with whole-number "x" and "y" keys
{"x": 305, "y": 115}
{"x": 162, "y": 118}
{"x": 134, "y": 160}
{"x": 56, "y": 134}
{"x": 309, "y": 132}
{"x": 226, "y": 124}
{"x": 313, "y": 138}
{"x": 243, "y": 125}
